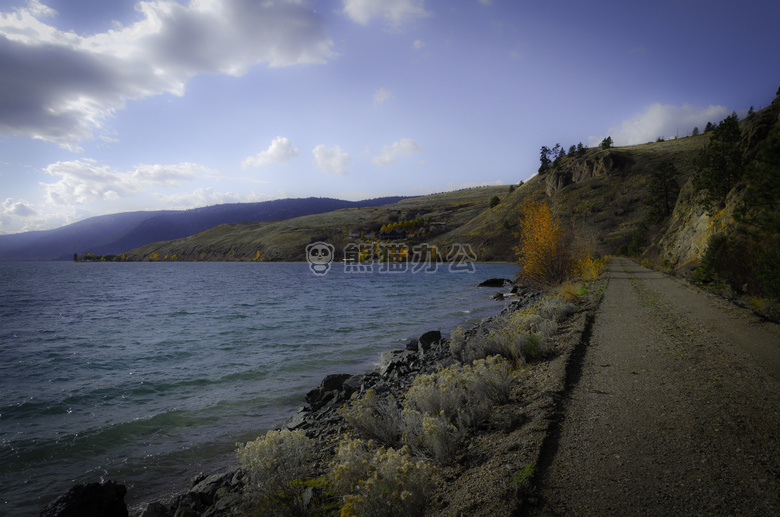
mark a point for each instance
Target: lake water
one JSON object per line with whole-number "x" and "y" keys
{"x": 149, "y": 373}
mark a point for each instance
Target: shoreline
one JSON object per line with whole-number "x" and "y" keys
{"x": 220, "y": 493}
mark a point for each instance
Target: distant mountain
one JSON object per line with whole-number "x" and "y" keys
{"x": 117, "y": 233}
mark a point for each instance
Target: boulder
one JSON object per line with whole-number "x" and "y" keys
{"x": 156, "y": 509}
{"x": 394, "y": 359}
{"x": 428, "y": 339}
{"x": 90, "y": 500}
{"x": 331, "y": 388}
{"x": 496, "y": 282}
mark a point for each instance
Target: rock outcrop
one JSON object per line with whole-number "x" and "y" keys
{"x": 594, "y": 165}
{"x": 90, "y": 500}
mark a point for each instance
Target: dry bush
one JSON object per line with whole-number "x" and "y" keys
{"x": 493, "y": 378}
{"x": 589, "y": 267}
{"x": 433, "y": 435}
{"x": 545, "y": 252}
{"x": 375, "y": 418}
{"x": 385, "y": 482}
{"x": 444, "y": 392}
{"x": 442, "y": 407}
{"x": 276, "y": 465}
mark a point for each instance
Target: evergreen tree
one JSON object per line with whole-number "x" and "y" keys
{"x": 695, "y": 131}
{"x": 606, "y": 143}
{"x": 663, "y": 189}
{"x": 545, "y": 159}
{"x": 762, "y": 199}
{"x": 720, "y": 164}
{"x": 709, "y": 127}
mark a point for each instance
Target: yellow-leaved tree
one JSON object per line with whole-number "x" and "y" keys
{"x": 546, "y": 254}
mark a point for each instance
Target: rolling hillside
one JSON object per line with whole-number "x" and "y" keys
{"x": 116, "y": 233}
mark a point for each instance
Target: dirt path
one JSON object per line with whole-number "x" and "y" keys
{"x": 675, "y": 410}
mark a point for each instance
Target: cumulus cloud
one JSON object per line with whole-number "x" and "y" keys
{"x": 281, "y": 150}
{"x": 84, "y": 181}
{"x": 395, "y": 12}
{"x": 663, "y": 120}
{"x": 60, "y": 86}
{"x": 403, "y": 148}
{"x": 382, "y": 95}
{"x": 19, "y": 208}
{"x": 332, "y": 160}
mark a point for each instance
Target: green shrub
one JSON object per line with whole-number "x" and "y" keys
{"x": 385, "y": 482}
{"x": 276, "y": 465}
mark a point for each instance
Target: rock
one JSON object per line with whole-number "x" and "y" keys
{"x": 206, "y": 491}
{"x": 495, "y": 282}
{"x": 156, "y": 509}
{"x": 428, "y": 339}
{"x": 329, "y": 390}
{"x": 394, "y": 359}
{"x": 498, "y": 296}
{"x": 354, "y": 383}
{"x": 413, "y": 345}
{"x": 90, "y": 500}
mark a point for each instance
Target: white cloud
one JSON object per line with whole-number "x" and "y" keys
{"x": 84, "y": 181}
{"x": 281, "y": 150}
{"x": 19, "y": 208}
{"x": 486, "y": 2}
{"x": 60, "y": 86}
{"x": 403, "y": 148}
{"x": 207, "y": 196}
{"x": 332, "y": 160}
{"x": 396, "y": 12}
{"x": 382, "y": 95}
{"x": 663, "y": 120}
{"x": 418, "y": 44}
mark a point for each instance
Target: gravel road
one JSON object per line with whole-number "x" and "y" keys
{"x": 674, "y": 410}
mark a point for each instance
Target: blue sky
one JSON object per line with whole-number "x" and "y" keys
{"x": 123, "y": 105}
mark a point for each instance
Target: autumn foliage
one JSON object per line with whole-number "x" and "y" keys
{"x": 545, "y": 251}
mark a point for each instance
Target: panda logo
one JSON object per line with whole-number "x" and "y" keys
{"x": 320, "y": 255}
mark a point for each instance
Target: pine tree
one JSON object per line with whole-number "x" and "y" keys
{"x": 720, "y": 164}
{"x": 663, "y": 189}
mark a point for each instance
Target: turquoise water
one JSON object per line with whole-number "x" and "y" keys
{"x": 149, "y": 373}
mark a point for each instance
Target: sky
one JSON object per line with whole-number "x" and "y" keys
{"x": 124, "y": 105}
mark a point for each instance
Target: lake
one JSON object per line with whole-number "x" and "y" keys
{"x": 149, "y": 373}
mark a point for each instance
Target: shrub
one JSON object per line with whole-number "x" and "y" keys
{"x": 441, "y": 407}
{"x": 432, "y": 435}
{"x": 375, "y": 418}
{"x": 387, "y": 482}
{"x": 276, "y": 465}
{"x": 444, "y": 392}
{"x": 591, "y": 267}
{"x": 519, "y": 337}
{"x": 544, "y": 253}
{"x": 493, "y": 378}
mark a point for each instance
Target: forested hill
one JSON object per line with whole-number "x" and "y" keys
{"x": 116, "y": 233}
